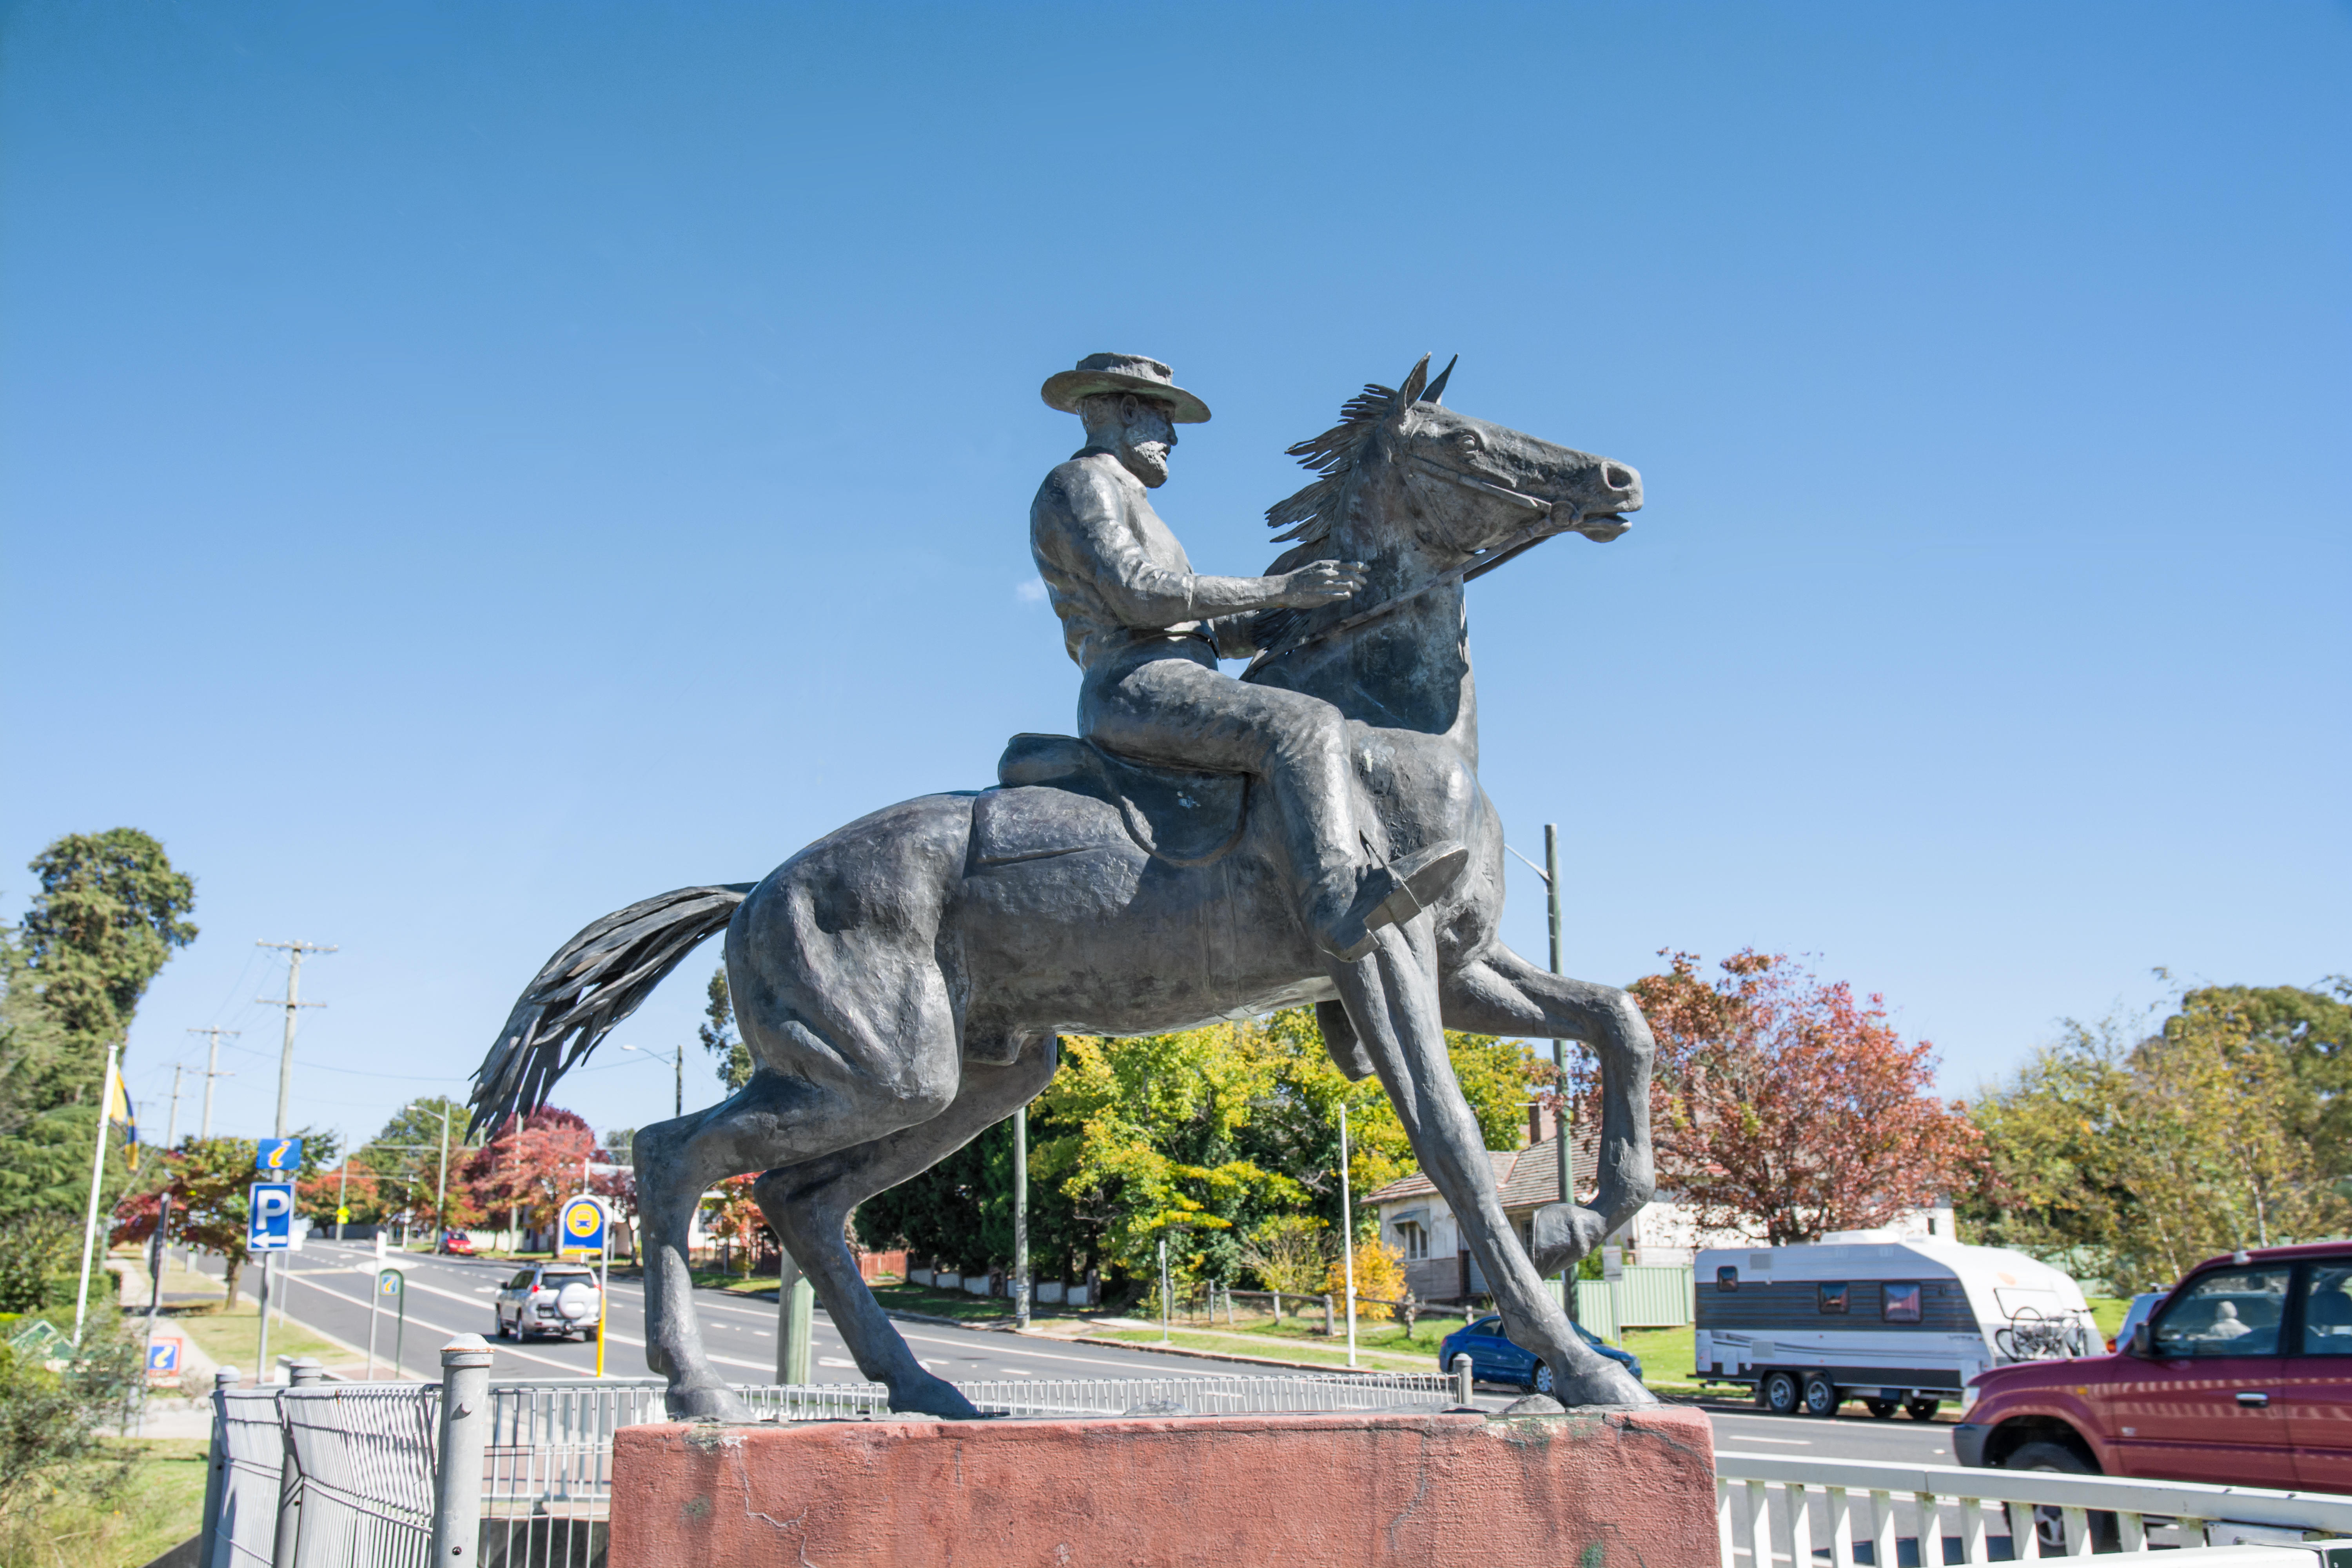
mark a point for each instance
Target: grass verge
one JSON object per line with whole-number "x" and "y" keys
{"x": 1321, "y": 1351}
{"x": 230, "y": 1334}
{"x": 77, "y": 1521}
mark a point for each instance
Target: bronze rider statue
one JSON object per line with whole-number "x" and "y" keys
{"x": 1148, "y": 631}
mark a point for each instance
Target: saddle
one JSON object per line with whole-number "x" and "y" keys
{"x": 1058, "y": 794}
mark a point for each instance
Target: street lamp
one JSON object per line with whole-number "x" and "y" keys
{"x": 677, "y": 1060}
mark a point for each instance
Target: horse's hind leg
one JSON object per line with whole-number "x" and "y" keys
{"x": 773, "y": 1119}
{"x": 1499, "y": 993}
{"x": 808, "y": 1203}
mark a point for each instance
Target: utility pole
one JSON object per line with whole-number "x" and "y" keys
{"x": 1559, "y": 1048}
{"x": 441, "y": 1186}
{"x": 294, "y": 951}
{"x": 1347, "y": 1232}
{"x": 677, "y": 1074}
{"x": 1563, "y": 1124}
{"x": 212, "y": 1072}
{"x": 1021, "y": 1217}
{"x": 171, "y": 1126}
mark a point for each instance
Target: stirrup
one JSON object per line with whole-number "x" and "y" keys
{"x": 1391, "y": 895}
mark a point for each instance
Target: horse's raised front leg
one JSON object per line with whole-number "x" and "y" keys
{"x": 808, "y": 1203}
{"x": 1499, "y": 993}
{"x": 1391, "y": 998}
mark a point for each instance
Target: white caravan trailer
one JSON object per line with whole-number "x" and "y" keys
{"x": 1861, "y": 1315}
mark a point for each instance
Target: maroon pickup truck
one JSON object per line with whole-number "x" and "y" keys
{"x": 2241, "y": 1376}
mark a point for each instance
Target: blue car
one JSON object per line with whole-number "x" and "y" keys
{"x": 1495, "y": 1358}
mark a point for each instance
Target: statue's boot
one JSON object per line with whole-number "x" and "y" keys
{"x": 1390, "y": 895}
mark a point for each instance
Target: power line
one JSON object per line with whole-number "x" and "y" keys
{"x": 294, "y": 951}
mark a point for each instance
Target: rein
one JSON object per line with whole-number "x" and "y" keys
{"x": 1485, "y": 561}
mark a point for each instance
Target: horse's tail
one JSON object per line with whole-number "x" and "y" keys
{"x": 594, "y": 980}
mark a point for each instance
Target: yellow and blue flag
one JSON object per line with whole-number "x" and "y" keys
{"x": 117, "y": 1111}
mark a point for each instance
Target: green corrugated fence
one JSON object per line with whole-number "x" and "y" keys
{"x": 1648, "y": 1297}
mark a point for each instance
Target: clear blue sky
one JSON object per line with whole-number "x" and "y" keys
{"x": 467, "y": 467}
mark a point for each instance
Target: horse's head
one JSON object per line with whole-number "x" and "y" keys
{"x": 1456, "y": 489}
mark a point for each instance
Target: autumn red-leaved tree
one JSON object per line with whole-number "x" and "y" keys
{"x": 532, "y": 1165}
{"x": 1783, "y": 1104}
{"x": 732, "y": 1216}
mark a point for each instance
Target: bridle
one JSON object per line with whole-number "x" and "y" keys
{"x": 1478, "y": 567}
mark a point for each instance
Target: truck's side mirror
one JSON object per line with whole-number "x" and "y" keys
{"x": 2142, "y": 1341}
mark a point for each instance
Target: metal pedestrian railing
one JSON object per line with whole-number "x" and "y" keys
{"x": 1772, "y": 1510}
{"x": 363, "y": 1455}
{"x": 242, "y": 1484}
{"x": 318, "y": 1474}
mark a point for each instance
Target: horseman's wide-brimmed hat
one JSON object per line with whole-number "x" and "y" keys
{"x": 1123, "y": 373}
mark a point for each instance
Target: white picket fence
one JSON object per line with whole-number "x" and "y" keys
{"x": 1769, "y": 1508}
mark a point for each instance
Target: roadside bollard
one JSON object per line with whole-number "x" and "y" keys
{"x": 465, "y": 1431}
{"x": 1462, "y": 1380}
{"x": 216, "y": 1471}
{"x": 1328, "y": 1331}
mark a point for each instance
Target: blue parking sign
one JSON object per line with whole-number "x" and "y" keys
{"x": 270, "y": 1217}
{"x": 279, "y": 1154}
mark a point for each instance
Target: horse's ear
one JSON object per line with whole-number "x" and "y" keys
{"x": 1437, "y": 393}
{"x": 1410, "y": 393}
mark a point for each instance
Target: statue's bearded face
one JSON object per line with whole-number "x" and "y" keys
{"x": 1149, "y": 436}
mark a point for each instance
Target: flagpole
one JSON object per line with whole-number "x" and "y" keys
{"x": 97, "y": 1175}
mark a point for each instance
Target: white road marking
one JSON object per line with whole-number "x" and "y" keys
{"x": 834, "y": 1361}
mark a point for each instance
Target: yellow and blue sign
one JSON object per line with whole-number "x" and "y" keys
{"x": 581, "y": 1226}
{"x": 279, "y": 1154}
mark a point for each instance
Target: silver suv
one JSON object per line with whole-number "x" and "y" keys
{"x": 557, "y": 1299}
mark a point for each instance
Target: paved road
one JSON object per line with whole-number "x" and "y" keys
{"x": 329, "y": 1287}
{"x": 1853, "y": 1435}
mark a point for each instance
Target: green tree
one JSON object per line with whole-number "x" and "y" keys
{"x": 1211, "y": 1135}
{"x": 34, "y": 1048}
{"x": 406, "y": 1156}
{"x": 718, "y": 1035}
{"x": 110, "y": 911}
{"x": 2137, "y": 1153}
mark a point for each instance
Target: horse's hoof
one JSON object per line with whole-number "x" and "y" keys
{"x": 708, "y": 1402}
{"x": 1606, "y": 1384}
{"x": 1564, "y": 1234}
{"x": 930, "y": 1395}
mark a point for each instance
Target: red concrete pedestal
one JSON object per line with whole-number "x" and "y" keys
{"x": 1602, "y": 1489}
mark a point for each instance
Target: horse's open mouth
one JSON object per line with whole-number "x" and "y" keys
{"x": 1602, "y": 526}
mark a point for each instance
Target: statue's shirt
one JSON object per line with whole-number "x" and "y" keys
{"x": 1113, "y": 571}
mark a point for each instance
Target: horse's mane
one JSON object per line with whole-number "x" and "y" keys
{"x": 1310, "y": 515}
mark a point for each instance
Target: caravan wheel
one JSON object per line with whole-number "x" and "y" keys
{"x": 1820, "y": 1397}
{"x": 1778, "y": 1393}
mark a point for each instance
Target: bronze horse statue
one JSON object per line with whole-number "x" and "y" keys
{"x": 900, "y": 983}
